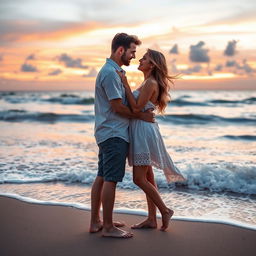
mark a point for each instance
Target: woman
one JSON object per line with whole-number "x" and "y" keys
{"x": 147, "y": 148}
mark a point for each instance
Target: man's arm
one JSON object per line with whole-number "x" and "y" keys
{"x": 124, "y": 111}
{"x": 146, "y": 92}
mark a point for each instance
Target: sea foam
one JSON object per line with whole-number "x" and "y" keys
{"x": 222, "y": 177}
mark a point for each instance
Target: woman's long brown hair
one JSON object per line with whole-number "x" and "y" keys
{"x": 160, "y": 74}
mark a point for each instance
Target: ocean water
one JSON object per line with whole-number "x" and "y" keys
{"x": 48, "y": 153}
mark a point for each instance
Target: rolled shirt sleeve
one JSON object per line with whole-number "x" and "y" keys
{"x": 112, "y": 86}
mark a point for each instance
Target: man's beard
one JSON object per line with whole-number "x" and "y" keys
{"x": 124, "y": 59}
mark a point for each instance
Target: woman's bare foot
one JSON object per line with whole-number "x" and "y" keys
{"x": 166, "y": 219}
{"x": 119, "y": 224}
{"x": 145, "y": 224}
{"x": 96, "y": 227}
{"x": 116, "y": 233}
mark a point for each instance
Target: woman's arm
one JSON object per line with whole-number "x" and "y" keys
{"x": 146, "y": 93}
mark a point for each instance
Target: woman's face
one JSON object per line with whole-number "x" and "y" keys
{"x": 145, "y": 64}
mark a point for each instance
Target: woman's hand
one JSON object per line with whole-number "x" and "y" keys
{"x": 123, "y": 78}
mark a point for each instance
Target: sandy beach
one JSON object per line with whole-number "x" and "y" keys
{"x": 32, "y": 229}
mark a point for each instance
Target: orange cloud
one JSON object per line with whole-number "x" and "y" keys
{"x": 30, "y": 31}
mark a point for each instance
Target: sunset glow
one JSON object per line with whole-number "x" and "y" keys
{"x": 201, "y": 40}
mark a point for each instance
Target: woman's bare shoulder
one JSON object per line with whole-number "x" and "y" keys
{"x": 151, "y": 82}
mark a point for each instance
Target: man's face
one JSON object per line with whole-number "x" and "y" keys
{"x": 129, "y": 54}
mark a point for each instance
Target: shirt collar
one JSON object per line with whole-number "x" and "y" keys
{"x": 114, "y": 64}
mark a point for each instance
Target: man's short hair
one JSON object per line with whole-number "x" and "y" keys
{"x": 125, "y": 40}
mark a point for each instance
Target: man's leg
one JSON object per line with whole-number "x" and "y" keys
{"x": 96, "y": 192}
{"x": 108, "y": 200}
{"x": 105, "y": 156}
{"x": 115, "y": 152}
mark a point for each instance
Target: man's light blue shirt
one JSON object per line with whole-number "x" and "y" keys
{"x": 109, "y": 124}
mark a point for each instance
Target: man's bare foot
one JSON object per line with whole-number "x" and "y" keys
{"x": 145, "y": 224}
{"x": 165, "y": 219}
{"x": 96, "y": 227}
{"x": 116, "y": 233}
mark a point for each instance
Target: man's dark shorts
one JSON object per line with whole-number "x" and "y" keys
{"x": 112, "y": 159}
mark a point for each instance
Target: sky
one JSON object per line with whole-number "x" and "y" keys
{"x": 62, "y": 44}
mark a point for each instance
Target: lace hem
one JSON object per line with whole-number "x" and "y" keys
{"x": 145, "y": 159}
{"x": 142, "y": 159}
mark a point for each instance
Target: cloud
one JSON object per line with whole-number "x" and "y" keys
{"x": 55, "y": 72}
{"x": 209, "y": 72}
{"x": 236, "y": 17}
{"x": 174, "y": 68}
{"x": 31, "y": 57}
{"x": 70, "y": 62}
{"x": 174, "y": 50}
{"x": 77, "y": 11}
{"x": 28, "y": 68}
{"x": 198, "y": 54}
{"x": 36, "y": 20}
{"x": 1, "y": 57}
{"x": 218, "y": 67}
{"x": 191, "y": 70}
{"x": 28, "y": 31}
{"x": 92, "y": 73}
{"x": 231, "y": 63}
{"x": 231, "y": 48}
{"x": 246, "y": 67}
{"x": 74, "y": 11}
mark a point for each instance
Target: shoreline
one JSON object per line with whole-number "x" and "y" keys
{"x": 33, "y": 229}
{"x": 129, "y": 212}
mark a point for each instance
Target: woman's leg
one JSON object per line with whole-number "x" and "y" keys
{"x": 151, "y": 205}
{"x": 150, "y": 222}
{"x": 140, "y": 179}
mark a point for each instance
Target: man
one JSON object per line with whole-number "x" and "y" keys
{"x": 111, "y": 133}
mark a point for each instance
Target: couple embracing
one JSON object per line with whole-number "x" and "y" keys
{"x": 125, "y": 126}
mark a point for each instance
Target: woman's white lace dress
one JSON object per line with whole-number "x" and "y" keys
{"x": 147, "y": 146}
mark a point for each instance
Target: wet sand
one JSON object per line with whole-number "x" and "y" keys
{"x": 34, "y": 229}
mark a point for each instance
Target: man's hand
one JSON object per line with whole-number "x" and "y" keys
{"x": 148, "y": 116}
{"x": 123, "y": 78}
